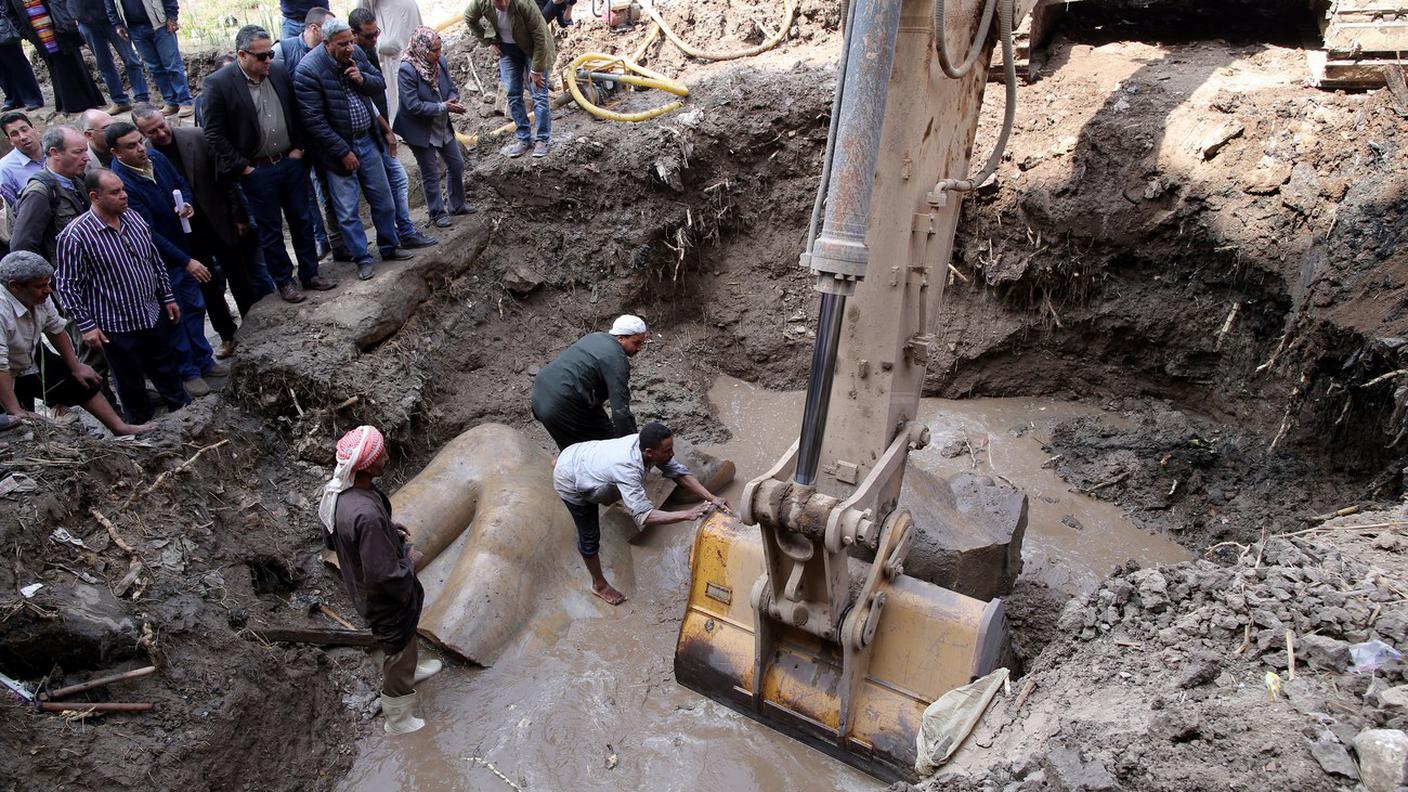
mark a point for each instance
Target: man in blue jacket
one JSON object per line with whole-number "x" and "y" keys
{"x": 334, "y": 98}
{"x": 151, "y": 181}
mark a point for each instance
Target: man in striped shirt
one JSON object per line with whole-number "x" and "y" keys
{"x": 113, "y": 283}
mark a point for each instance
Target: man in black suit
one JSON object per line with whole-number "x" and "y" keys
{"x": 252, "y": 124}
{"x": 220, "y": 230}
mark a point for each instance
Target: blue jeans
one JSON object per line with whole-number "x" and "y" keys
{"x": 98, "y": 39}
{"x": 325, "y": 233}
{"x": 369, "y": 178}
{"x": 194, "y": 356}
{"x": 270, "y": 189}
{"x": 513, "y": 66}
{"x": 163, "y": 58}
{"x": 400, "y": 193}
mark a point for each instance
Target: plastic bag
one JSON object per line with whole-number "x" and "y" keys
{"x": 949, "y": 720}
{"x": 1370, "y": 655}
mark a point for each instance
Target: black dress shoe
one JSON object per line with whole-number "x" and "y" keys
{"x": 417, "y": 241}
{"x": 340, "y": 254}
{"x": 32, "y": 108}
{"x": 396, "y": 254}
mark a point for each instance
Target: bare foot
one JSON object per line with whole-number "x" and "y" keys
{"x": 609, "y": 594}
{"x": 135, "y": 429}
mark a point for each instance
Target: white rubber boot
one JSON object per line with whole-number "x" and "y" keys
{"x": 400, "y": 712}
{"x": 426, "y": 669}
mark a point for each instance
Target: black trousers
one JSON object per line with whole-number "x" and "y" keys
{"x": 133, "y": 357}
{"x": 17, "y": 79}
{"x": 53, "y": 384}
{"x": 206, "y": 245}
{"x": 568, "y": 423}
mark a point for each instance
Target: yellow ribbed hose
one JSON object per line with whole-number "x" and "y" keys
{"x": 619, "y": 66}
{"x": 788, "y": 12}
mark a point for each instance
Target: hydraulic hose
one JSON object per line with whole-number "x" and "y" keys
{"x": 598, "y": 63}
{"x": 1004, "y": 32}
{"x": 975, "y": 49}
{"x": 788, "y": 13}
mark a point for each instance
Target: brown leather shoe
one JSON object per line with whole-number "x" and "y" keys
{"x": 291, "y": 293}
{"x": 319, "y": 283}
{"x": 226, "y": 349}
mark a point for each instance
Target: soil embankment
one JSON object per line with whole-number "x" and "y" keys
{"x": 1185, "y": 239}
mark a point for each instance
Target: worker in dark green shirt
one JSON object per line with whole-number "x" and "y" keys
{"x": 570, "y": 393}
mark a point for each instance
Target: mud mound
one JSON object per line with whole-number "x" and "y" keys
{"x": 210, "y": 534}
{"x": 1157, "y": 680}
{"x": 1195, "y": 479}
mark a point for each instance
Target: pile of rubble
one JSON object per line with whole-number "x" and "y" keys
{"x": 1274, "y": 660}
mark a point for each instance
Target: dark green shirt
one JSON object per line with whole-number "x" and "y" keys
{"x": 591, "y": 373}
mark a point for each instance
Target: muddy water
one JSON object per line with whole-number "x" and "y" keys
{"x": 1072, "y": 540}
{"x": 554, "y": 720}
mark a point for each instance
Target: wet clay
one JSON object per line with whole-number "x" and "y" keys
{"x": 553, "y": 717}
{"x": 1072, "y": 539}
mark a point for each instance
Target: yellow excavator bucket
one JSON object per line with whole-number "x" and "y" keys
{"x": 929, "y": 641}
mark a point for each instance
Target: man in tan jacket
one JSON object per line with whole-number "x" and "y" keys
{"x": 518, "y": 34}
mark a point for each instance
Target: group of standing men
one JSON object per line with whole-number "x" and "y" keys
{"x": 59, "y": 29}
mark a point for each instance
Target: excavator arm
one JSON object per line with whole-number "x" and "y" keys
{"x": 784, "y": 622}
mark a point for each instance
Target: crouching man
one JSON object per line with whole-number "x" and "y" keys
{"x": 604, "y": 471}
{"x": 28, "y": 370}
{"x": 379, "y": 568}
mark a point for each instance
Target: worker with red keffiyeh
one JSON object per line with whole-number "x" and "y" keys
{"x": 378, "y": 565}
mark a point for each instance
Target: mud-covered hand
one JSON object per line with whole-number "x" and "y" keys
{"x": 455, "y": 107}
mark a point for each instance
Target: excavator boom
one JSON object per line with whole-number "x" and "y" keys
{"x": 799, "y": 612}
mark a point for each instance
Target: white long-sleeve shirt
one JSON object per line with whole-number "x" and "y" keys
{"x": 586, "y": 470}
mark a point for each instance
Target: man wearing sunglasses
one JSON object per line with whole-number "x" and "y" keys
{"x": 252, "y": 122}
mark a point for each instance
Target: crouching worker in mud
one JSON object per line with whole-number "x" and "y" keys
{"x": 379, "y": 567}
{"x": 28, "y": 371}
{"x": 604, "y": 471}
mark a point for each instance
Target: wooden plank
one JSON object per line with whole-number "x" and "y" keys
{"x": 316, "y": 635}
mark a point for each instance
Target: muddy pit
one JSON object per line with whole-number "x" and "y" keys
{"x": 1164, "y": 348}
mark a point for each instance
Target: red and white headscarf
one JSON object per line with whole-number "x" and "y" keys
{"x": 357, "y": 450}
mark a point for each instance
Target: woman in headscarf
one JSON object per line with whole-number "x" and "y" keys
{"x": 378, "y": 567}
{"x": 48, "y": 25}
{"x": 427, "y": 98}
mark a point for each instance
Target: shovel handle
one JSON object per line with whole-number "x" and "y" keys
{"x": 96, "y": 683}
{"x": 102, "y": 706}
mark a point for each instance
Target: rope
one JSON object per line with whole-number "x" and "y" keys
{"x": 789, "y": 11}
{"x": 482, "y": 762}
